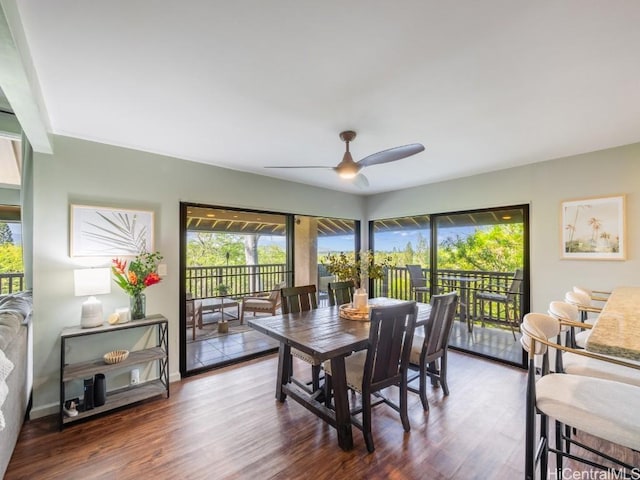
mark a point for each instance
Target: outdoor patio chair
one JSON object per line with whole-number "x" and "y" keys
{"x": 340, "y": 292}
{"x": 417, "y": 282}
{"x": 508, "y": 299}
{"x": 267, "y": 303}
{"x": 600, "y": 407}
{"x": 430, "y": 345}
{"x": 382, "y": 365}
{"x": 302, "y": 299}
{"x": 193, "y": 314}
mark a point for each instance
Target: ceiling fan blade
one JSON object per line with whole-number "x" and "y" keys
{"x": 301, "y": 166}
{"x": 391, "y": 155}
{"x": 360, "y": 181}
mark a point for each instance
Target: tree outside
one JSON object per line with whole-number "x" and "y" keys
{"x": 10, "y": 254}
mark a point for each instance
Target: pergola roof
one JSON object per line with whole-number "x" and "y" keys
{"x": 205, "y": 219}
{"x": 202, "y": 219}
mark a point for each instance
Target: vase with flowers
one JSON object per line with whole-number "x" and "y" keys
{"x": 140, "y": 273}
{"x": 359, "y": 269}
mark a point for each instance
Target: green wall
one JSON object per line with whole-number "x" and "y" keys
{"x": 83, "y": 172}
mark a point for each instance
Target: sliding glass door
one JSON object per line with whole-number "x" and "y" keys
{"x": 481, "y": 254}
{"x": 230, "y": 259}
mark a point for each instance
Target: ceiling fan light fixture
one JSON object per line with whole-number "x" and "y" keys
{"x": 347, "y": 168}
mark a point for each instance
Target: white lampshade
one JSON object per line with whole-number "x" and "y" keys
{"x": 92, "y": 281}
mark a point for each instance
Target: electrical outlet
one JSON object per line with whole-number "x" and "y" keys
{"x": 135, "y": 376}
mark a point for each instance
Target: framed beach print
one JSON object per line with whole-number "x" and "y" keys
{"x": 594, "y": 228}
{"x": 104, "y": 231}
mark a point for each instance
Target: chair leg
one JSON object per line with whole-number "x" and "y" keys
{"x": 315, "y": 377}
{"x": 366, "y": 422}
{"x": 511, "y": 321}
{"x": 423, "y": 387}
{"x": 404, "y": 416}
{"x": 544, "y": 434}
{"x": 327, "y": 390}
{"x": 443, "y": 373}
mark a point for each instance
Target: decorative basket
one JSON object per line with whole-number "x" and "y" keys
{"x": 347, "y": 311}
{"x": 116, "y": 356}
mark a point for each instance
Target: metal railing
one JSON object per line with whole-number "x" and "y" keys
{"x": 397, "y": 284}
{"x": 233, "y": 280}
{"x": 11, "y": 282}
{"x": 242, "y": 280}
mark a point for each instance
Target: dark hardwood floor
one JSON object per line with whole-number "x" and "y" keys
{"x": 228, "y": 424}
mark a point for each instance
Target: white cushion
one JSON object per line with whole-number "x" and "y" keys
{"x": 581, "y": 338}
{"x": 592, "y": 367}
{"x": 603, "y": 408}
{"x": 256, "y": 303}
{"x": 354, "y": 367}
{"x": 416, "y": 349}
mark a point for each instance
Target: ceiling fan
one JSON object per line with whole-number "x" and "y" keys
{"x": 349, "y": 169}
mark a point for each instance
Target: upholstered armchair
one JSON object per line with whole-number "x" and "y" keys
{"x": 267, "y": 303}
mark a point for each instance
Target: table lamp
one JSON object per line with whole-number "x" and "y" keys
{"x": 90, "y": 282}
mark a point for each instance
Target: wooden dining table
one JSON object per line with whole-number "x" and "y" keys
{"x": 617, "y": 330}
{"x": 324, "y": 335}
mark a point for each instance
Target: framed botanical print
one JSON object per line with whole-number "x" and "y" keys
{"x": 104, "y": 231}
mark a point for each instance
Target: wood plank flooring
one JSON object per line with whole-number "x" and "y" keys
{"x": 227, "y": 424}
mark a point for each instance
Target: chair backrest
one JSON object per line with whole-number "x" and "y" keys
{"x": 390, "y": 338}
{"x": 416, "y": 277}
{"x": 299, "y": 299}
{"x": 516, "y": 284}
{"x": 274, "y": 296}
{"x": 340, "y": 292}
{"x": 438, "y": 327}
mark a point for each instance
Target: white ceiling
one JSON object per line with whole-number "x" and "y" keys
{"x": 484, "y": 85}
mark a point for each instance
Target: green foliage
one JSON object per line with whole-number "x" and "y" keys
{"x": 5, "y": 234}
{"x": 11, "y": 258}
{"x": 346, "y": 267}
{"x": 497, "y": 249}
{"x": 207, "y": 249}
{"x": 215, "y": 249}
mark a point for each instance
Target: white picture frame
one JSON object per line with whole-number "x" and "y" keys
{"x": 103, "y": 231}
{"x": 594, "y": 228}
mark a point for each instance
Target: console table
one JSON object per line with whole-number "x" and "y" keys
{"x": 158, "y": 354}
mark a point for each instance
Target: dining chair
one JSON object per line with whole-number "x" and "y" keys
{"x": 417, "y": 281}
{"x": 508, "y": 299}
{"x": 430, "y": 345}
{"x": 193, "y": 314}
{"x": 340, "y": 292}
{"x": 583, "y": 302}
{"x": 601, "y": 407}
{"x": 268, "y": 303}
{"x": 295, "y": 300}
{"x": 383, "y": 364}
{"x": 594, "y": 295}
{"x": 565, "y": 312}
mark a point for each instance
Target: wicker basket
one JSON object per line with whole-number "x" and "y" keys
{"x": 116, "y": 356}
{"x": 348, "y": 312}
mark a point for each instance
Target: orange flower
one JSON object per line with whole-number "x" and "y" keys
{"x": 119, "y": 265}
{"x": 133, "y": 278}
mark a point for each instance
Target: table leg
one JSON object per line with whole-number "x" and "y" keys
{"x": 341, "y": 402}
{"x": 284, "y": 365}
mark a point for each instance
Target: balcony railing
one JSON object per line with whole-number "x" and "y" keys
{"x": 239, "y": 280}
{"x": 242, "y": 280}
{"x": 11, "y": 282}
